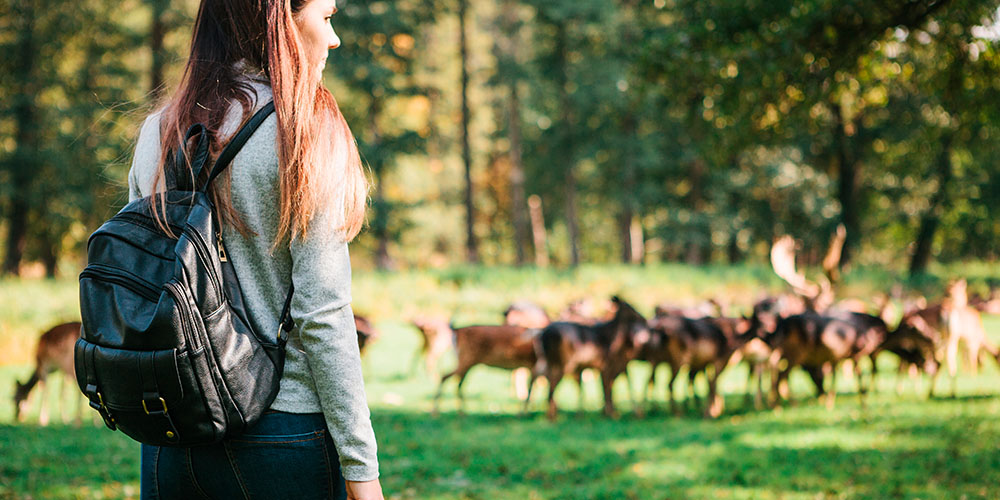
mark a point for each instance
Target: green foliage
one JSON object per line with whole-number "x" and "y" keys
{"x": 713, "y": 126}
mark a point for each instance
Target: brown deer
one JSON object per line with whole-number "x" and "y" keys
{"x": 566, "y": 348}
{"x": 367, "y": 334}
{"x": 500, "y": 346}
{"x": 704, "y": 345}
{"x": 528, "y": 315}
{"x": 963, "y": 323}
{"x": 53, "y": 353}
{"x": 822, "y": 337}
{"x": 435, "y": 337}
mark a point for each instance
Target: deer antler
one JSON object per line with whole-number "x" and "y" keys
{"x": 831, "y": 263}
{"x": 783, "y": 262}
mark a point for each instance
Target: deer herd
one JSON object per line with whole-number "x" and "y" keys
{"x": 808, "y": 328}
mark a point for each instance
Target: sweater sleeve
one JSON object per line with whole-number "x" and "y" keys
{"x": 145, "y": 159}
{"x": 321, "y": 307}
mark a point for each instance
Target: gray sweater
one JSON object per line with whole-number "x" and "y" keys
{"x": 323, "y": 365}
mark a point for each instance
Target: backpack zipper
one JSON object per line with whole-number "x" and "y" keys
{"x": 121, "y": 277}
{"x": 180, "y": 298}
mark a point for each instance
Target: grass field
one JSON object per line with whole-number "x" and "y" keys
{"x": 899, "y": 446}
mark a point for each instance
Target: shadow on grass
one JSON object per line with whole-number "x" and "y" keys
{"x": 890, "y": 451}
{"x": 894, "y": 449}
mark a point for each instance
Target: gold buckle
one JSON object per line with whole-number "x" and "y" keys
{"x": 100, "y": 399}
{"x": 162, "y": 402}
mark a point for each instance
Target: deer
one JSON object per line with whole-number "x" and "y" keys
{"x": 528, "y": 315}
{"x": 367, "y": 334}
{"x": 500, "y": 346}
{"x": 567, "y": 348}
{"x": 435, "y": 337}
{"x": 705, "y": 345}
{"x": 963, "y": 323}
{"x": 822, "y": 337}
{"x": 54, "y": 352}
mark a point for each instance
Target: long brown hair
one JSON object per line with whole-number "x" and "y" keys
{"x": 319, "y": 165}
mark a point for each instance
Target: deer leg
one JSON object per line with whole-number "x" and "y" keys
{"x": 577, "y": 377}
{"x": 458, "y": 391}
{"x": 693, "y": 396}
{"x": 758, "y": 373}
{"x": 554, "y": 375}
{"x": 816, "y": 374}
{"x": 951, "y": 355}
{"x": 43, "y": 411}
{"x": 519, "y": 377}
{"x": 607, "y": 379}
{"x": 527, "y": 396}
{"x": 651, "y": 384}
{"x": 831, "y": 369}
{"x": 713, "y": 408}
{"x": 862, "y": 388}
{"x": 780, "y": 389}
{"x": 670, "y": 391}
{"x": 437, "y": 397}
{"x": 903, "y": 366}
{"x": 973, "y": 349}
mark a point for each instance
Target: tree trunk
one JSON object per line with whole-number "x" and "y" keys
{"x": 517, "y": 174}
{"x": 25, "y": 157}
{"x": 507, "y": 59}
{"x": 471, "y": 245}
{"x": 847, "y": 182}
{"x": 567, "y": 122}
{"x": 696, "y": 200}
{"x": 157, "y": 32}
{"x": 626, "y": 219}
{"x": 538, "y": 231}
{"x": 932, "y": 217}
{"x": 380, "y": 221}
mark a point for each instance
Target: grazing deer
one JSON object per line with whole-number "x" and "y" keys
{"x": 819, "y": 343}
{"x": 566, "y": 348}
{"x": 435, "y": 336}
{"x": 822, "y": 337}
{"x": 367, "y": 334}
{"x": 963, "y": 322}
{"x": 704, "y": 345}
{"x": 528, "y": 315}
{"x": 913, "y": 342}
{"x": 53, "y": 353}
{"x": 501, "y": 346}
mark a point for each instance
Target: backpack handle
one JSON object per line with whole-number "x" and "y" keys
{"x": 234, "y": 146}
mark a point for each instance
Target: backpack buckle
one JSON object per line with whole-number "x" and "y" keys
{"x": 99, "y": 405}
{"x": 162, "y": 411}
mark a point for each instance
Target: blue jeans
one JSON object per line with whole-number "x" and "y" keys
{"x": 284, "y": 455}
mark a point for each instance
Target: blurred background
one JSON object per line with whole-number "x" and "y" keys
{"x": 649, "y": 131}
{"x": 553, "y": 150}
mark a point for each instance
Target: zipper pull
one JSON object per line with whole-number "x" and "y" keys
{"x": 222, "y": 248}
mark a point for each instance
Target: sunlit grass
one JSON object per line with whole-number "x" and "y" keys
{"x": 899, "y": 446}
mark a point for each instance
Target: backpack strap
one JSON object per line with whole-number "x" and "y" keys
{"x": 237, "y": 142}
{"x": 285, "y": 322}
{"x": 176, "y": 178}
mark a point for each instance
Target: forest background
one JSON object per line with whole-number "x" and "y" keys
{"x": 648, "y": 131}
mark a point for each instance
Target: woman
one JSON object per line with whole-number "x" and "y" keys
{"x": 291, "y": 200}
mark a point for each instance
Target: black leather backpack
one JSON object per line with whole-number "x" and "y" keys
{"x": 167, "y": 354}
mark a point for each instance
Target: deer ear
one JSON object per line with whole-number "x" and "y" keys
{"x": 616, "y": 299}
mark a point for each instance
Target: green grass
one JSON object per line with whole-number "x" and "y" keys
{"x": 899, "y": 446}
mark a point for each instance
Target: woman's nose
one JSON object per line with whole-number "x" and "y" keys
{"x": 334, "y": 40}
